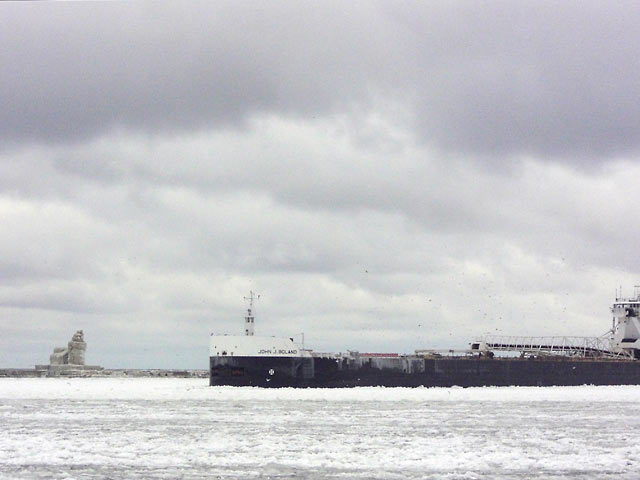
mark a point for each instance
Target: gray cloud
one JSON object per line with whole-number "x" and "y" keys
{"x": 500, "y": 78}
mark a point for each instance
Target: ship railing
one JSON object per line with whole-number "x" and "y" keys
{"x": 448, "y": 352}
{"x": 587, "y": 347}
{"x": 332, "y": 355}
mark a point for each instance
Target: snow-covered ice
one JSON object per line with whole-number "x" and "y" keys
{"x": 181, "y": 428}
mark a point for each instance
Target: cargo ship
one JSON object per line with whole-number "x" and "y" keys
{"x": 610, "y": 359}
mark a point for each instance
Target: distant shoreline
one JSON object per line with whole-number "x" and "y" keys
{"x": 87, "y": 371}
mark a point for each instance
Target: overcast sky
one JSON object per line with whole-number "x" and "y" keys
{"x": 387, "y": 175}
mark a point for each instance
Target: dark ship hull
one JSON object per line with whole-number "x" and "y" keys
{"x": 415, "y": 372}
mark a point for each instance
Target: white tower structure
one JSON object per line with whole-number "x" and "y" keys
{"x": 626, "y": 323}
{"x": 249, "y": 319}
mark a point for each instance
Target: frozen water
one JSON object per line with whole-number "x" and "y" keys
{"x": 181, "y": 428}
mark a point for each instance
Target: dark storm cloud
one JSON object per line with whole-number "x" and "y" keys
{"x": 537, "y": 78}
{"x": 73, "y": 71}
{"x": 505, "y": 77}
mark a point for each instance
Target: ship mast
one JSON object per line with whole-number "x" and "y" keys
{"x": 249, "y": 319}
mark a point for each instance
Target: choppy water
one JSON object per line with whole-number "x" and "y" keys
{"x": 171, "y": 428}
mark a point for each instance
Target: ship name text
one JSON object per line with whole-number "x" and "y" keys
{"x": 280, "y": 351}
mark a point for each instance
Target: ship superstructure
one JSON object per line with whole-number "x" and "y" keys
{"x": 625, "y": 331}
{"x": 610, "y": 359}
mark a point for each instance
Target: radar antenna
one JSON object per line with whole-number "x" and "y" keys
{"x": 249, "y": 319}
